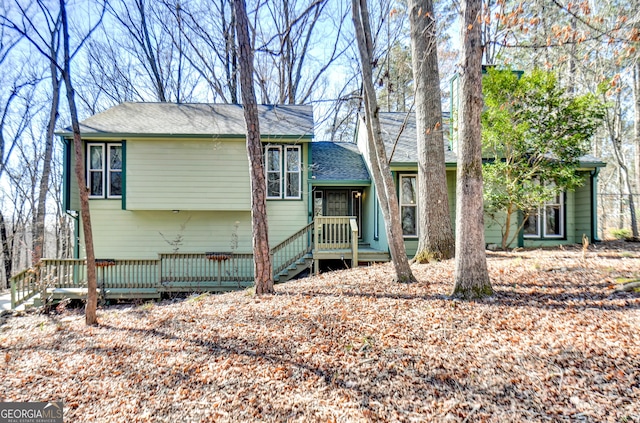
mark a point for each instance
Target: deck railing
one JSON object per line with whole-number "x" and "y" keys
{"x": 185, "y": 271}
{"x": 181, "y": 270}
{"x": 24, "y": 285}
{"x": 64, "y": 273}
{"x": 336, "y": 233}
{"x": 333, "y": 232}
{"x": 292, "y": 249}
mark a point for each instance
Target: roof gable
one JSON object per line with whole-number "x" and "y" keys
{"x": 333, "y": 161}
{"x": 144, "y": 119}
{"x": 400, "y": 136}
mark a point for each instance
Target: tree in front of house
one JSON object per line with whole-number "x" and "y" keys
{"x": 534, "y": 133}
{"x": 263, "y": 269}
{"x": 471, "y": 276}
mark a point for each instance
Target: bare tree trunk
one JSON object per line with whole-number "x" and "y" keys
{"x": 39, "y": 232}
{"x": 471, "y": 274}
{"x": 263, "y": 270}
{"x": 6, "y": 249}
{"x": 435, "y": 232}
{"x": 379, "y": 164}
{"x": 636, "y": 120}
{"x": 91, "y": 317}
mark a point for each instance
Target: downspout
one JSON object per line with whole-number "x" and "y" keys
{"x": 76, "y": 233}
{"x": 594, "y": 205}
{"x": 521, "y": 232}
{"x": 309, "y": 186}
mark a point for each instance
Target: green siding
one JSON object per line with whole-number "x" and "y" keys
{"x": 143, "y": 234}
{"x": 285, "y": 218}
{"x": 74, "y": 192}
{"x": 583, "y": 210}
{"x": 187, "y": 175}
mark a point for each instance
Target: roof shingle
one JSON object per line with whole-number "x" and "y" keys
{"x": 198, "y": 119}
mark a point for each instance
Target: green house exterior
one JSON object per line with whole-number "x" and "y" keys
{"x": 184, "y": 177}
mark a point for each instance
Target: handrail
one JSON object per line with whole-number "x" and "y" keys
{"x": 291, "y": 249}
{"x": 24, "y": 285}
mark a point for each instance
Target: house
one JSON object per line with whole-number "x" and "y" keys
{"x": 170, "y": 199}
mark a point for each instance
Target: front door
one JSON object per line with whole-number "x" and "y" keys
{"x": 337, "y": 203}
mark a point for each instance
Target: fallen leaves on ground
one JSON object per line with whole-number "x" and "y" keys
{"x": 555, "y": 343}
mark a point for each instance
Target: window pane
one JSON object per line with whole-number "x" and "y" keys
{"x": 273, "y": 184}
{"x": 95, "y": 183}
{"x": 293, "y": 159}
{"x": 115, "y": 185}
{"x": 408, "y": 193}
{"x": 293, "y": 184}
{"x": 552, "y": 223}
{"x": 409, "y": 220}
{"x": 273, "y": 160}
{"x": 95, "y": 152}
{"x": 530, "y": 227}
{"x": 115, "y": 157}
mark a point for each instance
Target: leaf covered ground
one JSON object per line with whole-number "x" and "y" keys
{"x": 555, "y": 343}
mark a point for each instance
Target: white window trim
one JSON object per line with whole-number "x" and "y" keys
{"x": 267, "y": 171}
{"x": 287, "y": 149}
{"x": 538, "y": 220}
{"x": 562, "y": 217}
{"x": 409, "y": 175}
{"x": 109, "y": 171}
{"x": 105, "y": 170}
{"x": 541, "y": 229}
{"x": 91, "y": 170}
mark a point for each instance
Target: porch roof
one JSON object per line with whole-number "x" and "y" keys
{"x": 337, "y": 161}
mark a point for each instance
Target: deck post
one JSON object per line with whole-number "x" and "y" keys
{"x": 13, "y": 295}
{"x": 354, "y": 242}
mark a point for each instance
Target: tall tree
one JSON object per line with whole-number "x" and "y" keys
{"x": 471, "y": 273}
{"x": 636, "y": 119}
{"x": 435, "y": 232}
{"x": 377, "y": 155}
{"x": 91, "y": 317}
{"x": 53, "y": 31}
{"x": 289, "y": 65}
{"x": 263, "y": 270}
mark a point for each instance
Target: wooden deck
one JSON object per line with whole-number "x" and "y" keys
{"x": 325, "y": 238}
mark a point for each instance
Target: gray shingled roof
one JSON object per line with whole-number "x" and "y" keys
{"x": 333, "y": 161}
{"x": 406, "y": 150}
{"x": 391, "y": 124}
{"x": 197, "y": 119}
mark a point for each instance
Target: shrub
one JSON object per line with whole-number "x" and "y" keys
{"x": 620, "y": 233}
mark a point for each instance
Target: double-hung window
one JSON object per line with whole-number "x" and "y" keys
{"x": 104, "y": 170}
{"x": 546, "y": 221}
{"x": 283, "y": 171}
{"x": 409, "y": 205}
